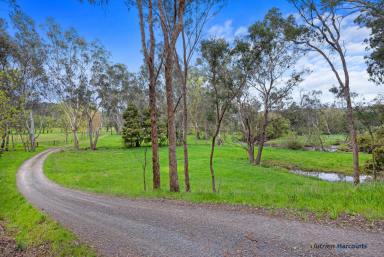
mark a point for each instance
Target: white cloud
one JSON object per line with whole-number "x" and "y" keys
{"x": 322, "y": 77}
{"x": 222, "y": 31}
{"x": 227, "y": 31}
{"x": 241, "y": 31}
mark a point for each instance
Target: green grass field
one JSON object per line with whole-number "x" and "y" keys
{"x": 118, "y": 171}
{"x": 29, "y": 226}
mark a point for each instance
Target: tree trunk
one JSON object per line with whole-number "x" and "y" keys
{"x": 197, "y": 132}
{"x": 251, "y": 152}
{"x": 352, "y": 132}
{"x": 97, "y": 134}
{"x": 154, "y": 135}
{"x": 149, "y": 57}
{"x": 373, "y": 153}
{"x": 206, "y": 134}
{"x": 13, "y": 141}
{"x": 31, "y": 131}
{"x": 7, "y": 140}
{"x": 3, "y": 141}
{"x": 211, "y": 163}
{"x": 144, "y": 169}
{"x": 185, "y": 135}
{"x": 263, "y": 136}
{"x": 75, "y": 139}
{"x": 90, "y": 133}
{"x": 173, "y": 176}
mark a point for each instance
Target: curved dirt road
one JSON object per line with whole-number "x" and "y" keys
{"x": 123, "y": 227}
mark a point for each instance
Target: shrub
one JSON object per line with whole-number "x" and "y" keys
{"x": 137, "y": 127}
{"x": 378, "y": 154}
{"x": 364, "y": 143}
{"x": 294, "y": 144}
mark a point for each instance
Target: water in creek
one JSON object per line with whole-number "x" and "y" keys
{"x": 332, "y": 148}
{"x": 331, "y": 177}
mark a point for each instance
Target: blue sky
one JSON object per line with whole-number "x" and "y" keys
{"x": 117, "y": 28}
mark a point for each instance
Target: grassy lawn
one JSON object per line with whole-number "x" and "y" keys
{"x": 30, "y": 227}
{"x": 117, "y": 171}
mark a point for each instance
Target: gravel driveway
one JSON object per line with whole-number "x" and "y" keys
{"x": 125, "y": 227}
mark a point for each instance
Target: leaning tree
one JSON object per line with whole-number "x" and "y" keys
{"x": 271, "y": 77}
{"x": 320, "y": 31}
{"x": 226, "y": 80}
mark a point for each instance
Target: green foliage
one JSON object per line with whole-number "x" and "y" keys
{"x": 377, "y": 163}
{"x": 364, "y": 142}
{"x": 277, "y": 127}
{"x": 136, "y": 128}
{"x": 372, "y": 16}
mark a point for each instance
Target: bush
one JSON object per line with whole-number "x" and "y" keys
{"x": 344, "y": 148}
{"x": 294, "y": 144}
{"x": 137, "y": 127}
{"x": 277, "y": 126}
{"x": 364, "y": 143}
{"x": 378, "y": 155}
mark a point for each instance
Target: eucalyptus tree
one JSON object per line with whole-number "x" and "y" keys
{"x": 320, "y": 31}
{"x": 271, "y": 78}
{"x": 226, "y": 80}
{"x": 148, "y": 41}
{"x": 8, "y": 77}
{"x": 248, "y": 112}
{"x": 29, "y": 75}
{"x": 171, "y": 16}
{"x": 71, "y": 66}
{"x": 6, "y": 112}
{"x": 197, "y": 13}
{"x": 99, "y": 59}
{"x": 110, "y": 91}
{"x": 148, "y": 22}
{"x": 196, "y": 97}
{"x": 311, "y": 108}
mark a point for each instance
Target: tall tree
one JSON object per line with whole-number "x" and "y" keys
{"x": 70, "y": 66}
{"x": 277, "y": 57}
{"x": 226, "y": 81}
{"x": 147, "y": 24}
{"x": 31, "y": 76}
{"x": 171, "y": 14}
{"x": 320, "y": 32}
{"x": 110, "y": 90}
{"x": 196, "y": 15}
{"x": 92, "y": 104}
{"x": 146, "y": 12}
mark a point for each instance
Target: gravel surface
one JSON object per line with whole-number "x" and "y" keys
{"x": 123, "y": 227}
